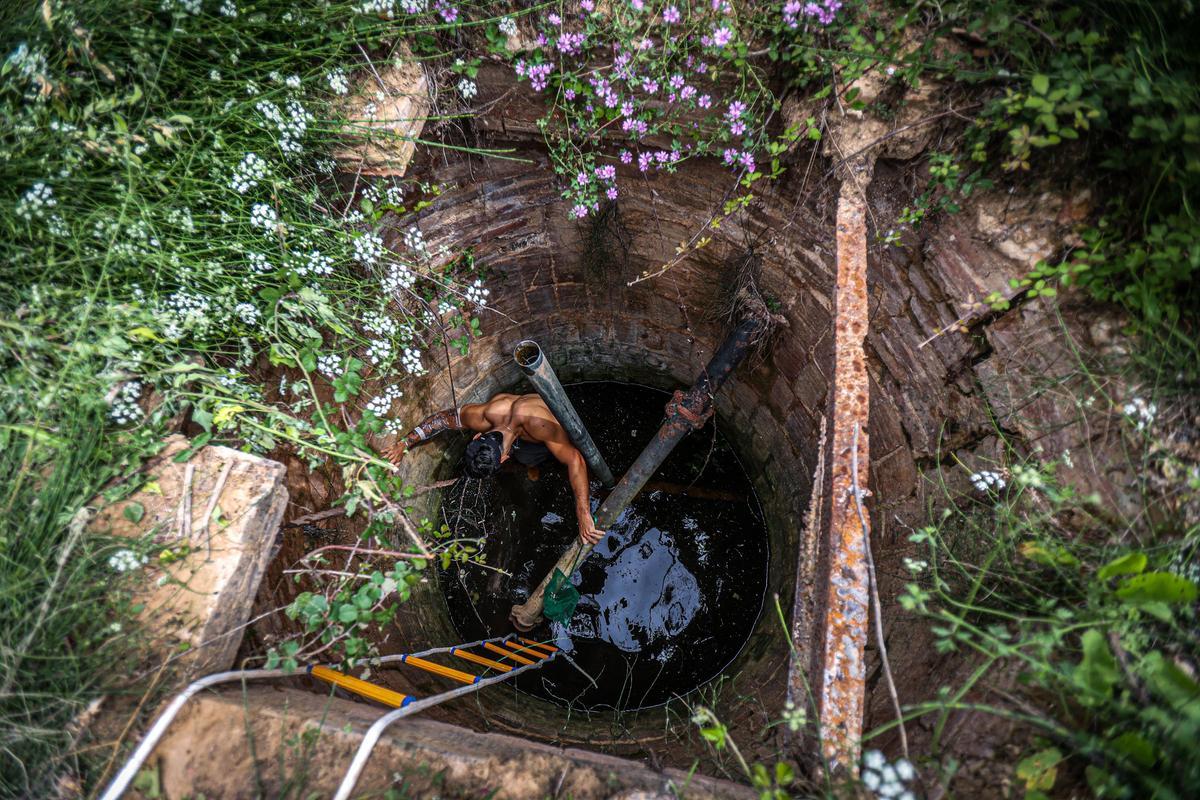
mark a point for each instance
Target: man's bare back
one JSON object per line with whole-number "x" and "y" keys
{"x": 517, "y": 419}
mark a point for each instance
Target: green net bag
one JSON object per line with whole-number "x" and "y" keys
{"x": 560, "y": 599}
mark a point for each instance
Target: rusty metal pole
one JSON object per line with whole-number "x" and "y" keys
{"x": 536, "y": 366}
{"x": 686, "y": 412}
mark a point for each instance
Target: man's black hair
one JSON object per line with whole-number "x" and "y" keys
{"x": 483, "y": 455}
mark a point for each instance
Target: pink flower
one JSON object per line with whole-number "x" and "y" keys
{"x": 644, "y": 161}
{"x": 649, "y": 86}
{"x": 627, "y": 109}
{"x": 704, "y": 101}
{"x": 587, "y": 5}
{"x": 735, "y": 109}
{"x": 671, "y": 15}
{"x": 569, "y": 94}
{"x": 729, "y": 156}
{"x": 676, "y": 81}
{"x": 747, "y": 160}
{"x": 737, "y": 128}
{"x": 579, "y": 210}
{"x": 611, "y": 194}
{"x": 626, "y": 157}
{"x": 638, "y": 5}
{"x": 582, "y": 179}
{"x": 722, "y": 36}
{"x": 554, "y": 19}
{"x": 606, "y": 172}
{"x": 687, "y": 93}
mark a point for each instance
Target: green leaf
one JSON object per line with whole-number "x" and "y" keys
{"x": 347, "y": 613}
{"x": 1040, "y": 770}
{"x": 1157, "y": 587}
{"x": 1167, "y": 680}
{"x": 1097, "y": 669}
{"x": 202, "y": 418}
{"x": 1140, "y": 751}
{"x": 1128, "y": 564}
{"x": 134, "y": 512}
{"x": 1041, "y": 84}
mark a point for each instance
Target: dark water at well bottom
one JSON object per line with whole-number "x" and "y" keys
{"x": 668, "y": 597}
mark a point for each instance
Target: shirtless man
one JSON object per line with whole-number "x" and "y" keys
{"x": 516, "y": 426}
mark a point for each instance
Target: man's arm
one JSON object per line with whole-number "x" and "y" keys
{"x": 577, "y": 476}
{"x": 448, "y": 419}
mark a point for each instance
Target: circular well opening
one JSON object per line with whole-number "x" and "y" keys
{"x": 669, "y": 596}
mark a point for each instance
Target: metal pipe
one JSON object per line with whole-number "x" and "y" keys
{"x": 536, "y": 366}
{"x": 123, "y": 778}
{"x": 375, "y": 731}
{"x": 686, "y": 412}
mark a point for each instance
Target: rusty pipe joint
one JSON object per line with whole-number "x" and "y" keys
{"x": 693, "y": 407}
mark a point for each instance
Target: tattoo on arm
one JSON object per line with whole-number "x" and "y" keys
{"x": 445, "y": 420}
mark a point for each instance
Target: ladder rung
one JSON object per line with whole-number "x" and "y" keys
{"x": 360, "y": 687}
{"x": 549, "y": 647}
{"x": 438, "y": 669}
{"x": 506, "y": 653}
{"x": 487, "y": 662}
{"x": 520, "y": 649}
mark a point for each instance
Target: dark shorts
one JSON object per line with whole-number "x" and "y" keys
{"x": 531, "y": 454}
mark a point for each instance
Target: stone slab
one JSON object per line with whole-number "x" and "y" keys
{"x": 198, "y": 591}
{"x": 311, "y": 739}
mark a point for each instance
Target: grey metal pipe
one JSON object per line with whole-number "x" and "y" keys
{"x": 375, "y": 731}
{"x": 687, "y": 411}
{"x": 536, "y": 366}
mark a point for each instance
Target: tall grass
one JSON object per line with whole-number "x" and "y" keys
{"x": 137, "y": 286}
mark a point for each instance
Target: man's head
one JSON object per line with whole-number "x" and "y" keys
{"x": 485, "y": 453}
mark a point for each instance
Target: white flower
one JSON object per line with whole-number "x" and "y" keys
{"x": 379, "y": 324}
{"x": 475, "y": 293}
{"x": 180, "y": 6}
{"x": 214, "y": 75}
{"x": 57, "y": 226}
{"x": 249, "y": 314}
{"x": 415, "y": 240}
{"x": 412, "y": 361}
{"x": 338, "y": 81}
{"x": 380, "y": 8}
{"x": 904, "y": 770}
{"x": 870, "y": 780}
{"x": 248, "y": 173}
{"x": 124, "y": 407}
{"x": 394, "y": 195}
{"x": 368, "y": 248}
{"x": 394, "y": 426}
{"x": 398, "y": 277}
{"x": 507, "y": 26}
{"x": 987, "y": 480}
{"x": 31, "y": 65}
{"x": 467, "y": 88}
{"x": 330, "y": 365}
{"x": 393, "y": 392}
{"x": 259, "y": 263}
{"x": 370, "y": 110}
{"x": 315, "y": 263}
{"x": 873, "y": 759}
{"x": 125, "y": 560}
{"x": 264, "y": 217}
{"x": 915, "y": 565}
{"x": 228, "y": 9}
{"x": 380, "y": 405}
{"x": 36, "y": 198}
{"x": 1141, "y": 413}
{"x": 379, "y": 351}
{"x": 292, "y": 81}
